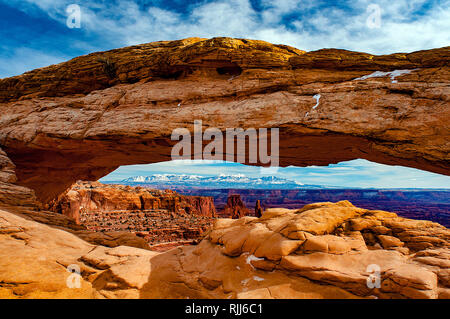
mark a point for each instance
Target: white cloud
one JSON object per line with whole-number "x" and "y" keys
{"x": 126, "y": 23}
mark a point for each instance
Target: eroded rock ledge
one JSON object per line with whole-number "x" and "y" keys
{"x": 164, "y": 218}
{"x": 81, "y": 119}
{"x": 320, "y": 251}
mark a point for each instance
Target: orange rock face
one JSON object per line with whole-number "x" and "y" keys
{"x": 258, "y": 209}
{"x": 155, "y": 215}
{"x": 235, "y": 207}
{"x": 96, "y": 198}
{"x": 323, "y": 250}
{"x": 82, "y": 119}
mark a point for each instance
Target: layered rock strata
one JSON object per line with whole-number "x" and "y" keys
{"x": 155, "y": 215}
{"x": 84, "y": 118}
{"x": 81, "y": 119}
{"x": 235, "y": 207}
{"x": 84, "y": 199}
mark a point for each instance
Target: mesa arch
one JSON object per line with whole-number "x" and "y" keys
{"x": 84, "y": 118}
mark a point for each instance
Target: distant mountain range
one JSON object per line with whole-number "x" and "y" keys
{"x": 222, "y": 181}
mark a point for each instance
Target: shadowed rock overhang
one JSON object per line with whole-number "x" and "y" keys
{"x": 83, "y": 118}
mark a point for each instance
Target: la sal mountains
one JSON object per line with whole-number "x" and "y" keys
{"x": 236, "y": 181}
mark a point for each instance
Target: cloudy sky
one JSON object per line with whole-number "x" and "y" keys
{"x": 356, "y": 173}
{"x": 36, "y": 33}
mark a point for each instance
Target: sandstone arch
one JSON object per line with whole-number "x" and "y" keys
{"x": 76, "y": 121}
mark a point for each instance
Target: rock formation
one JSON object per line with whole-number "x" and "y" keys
{"x": 81, "y": 119}
{"x": 10, "y": 193}
{"x": 95, "y": 198}
{"x": 324, "y": 250}
{"x": 235, "y": 207}
{"x": 258, "y": 209}
{"x": 22, "y": 202}
{"x": 421, "y": 204}
{"x": 155, "y": 215}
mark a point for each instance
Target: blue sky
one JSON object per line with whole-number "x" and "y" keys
{"x": 356, "y": 173}
{"x": 34, "y": 34}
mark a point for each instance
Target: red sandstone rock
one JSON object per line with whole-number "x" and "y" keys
{"x": 322, "y": 250}
{"x": 95, "y": 197}
{"x": 235, "y": 208}
{"x": 258, "y": 209}
{"x": 157, "y": 216}
{"x": 55, "y": 129}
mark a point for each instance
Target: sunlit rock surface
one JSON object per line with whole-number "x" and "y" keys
{"x": 84, "y": 118}
{"x": 81, "y": 119}
{"x": 160, "y": 217}
{"x": 324, "y": 250}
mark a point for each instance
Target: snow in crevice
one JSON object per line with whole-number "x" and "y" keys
{"x": 251, "y": 258}
{"x": 317, "y": 97}
{"x": 256, "y": 278}
{"x": 392, "y": 75}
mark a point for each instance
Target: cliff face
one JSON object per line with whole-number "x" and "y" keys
{"x": 324, "y": 250}
{"x": 235, "y": 207}
{"x": 155, "y": 215}
{"x": 82, "y": 119}
{"x": 94, "y": 198}
{"x": 431, "y": 205}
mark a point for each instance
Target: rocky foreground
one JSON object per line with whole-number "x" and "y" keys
{"x": 324, "y": 250}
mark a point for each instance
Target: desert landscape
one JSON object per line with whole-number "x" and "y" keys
{"x": 63, "y": 234}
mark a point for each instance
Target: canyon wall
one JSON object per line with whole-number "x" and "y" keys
{"x": 95, "y": 197}
{"x": 160, "y": 217}
{"x": 235, "y": 208}
{"x": 425, "y": 204}
{"x": 81, "y": 119}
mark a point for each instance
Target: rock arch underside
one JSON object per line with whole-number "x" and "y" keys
{"x": 82, "y": 119}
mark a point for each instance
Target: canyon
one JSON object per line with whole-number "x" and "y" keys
{"x": 81, "y": 119}
{"x": 163, "y": 218}
{"x": 424, "y": 204}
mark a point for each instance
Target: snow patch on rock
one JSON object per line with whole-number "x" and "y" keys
{"x": 392, "y": 75}
{"x": 317, "y": 97}
{"x": 251, "y": 258}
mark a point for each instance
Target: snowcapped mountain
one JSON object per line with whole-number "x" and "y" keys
{"x": 218, "y": 181}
